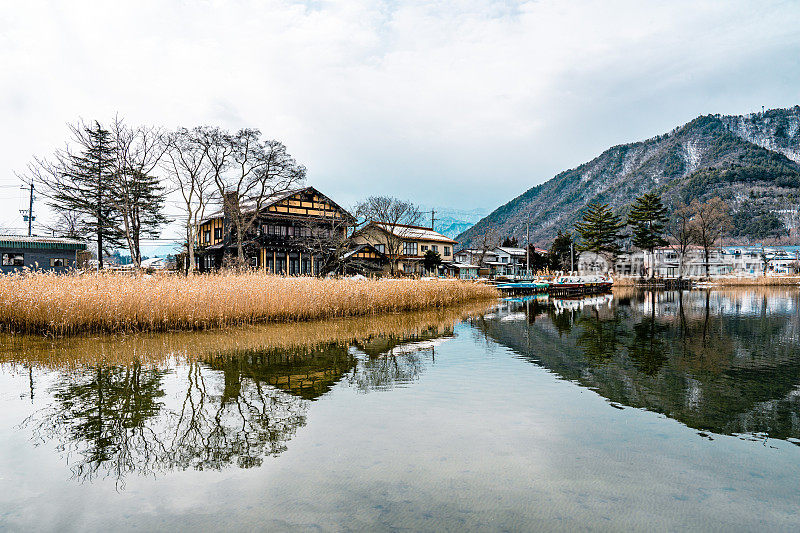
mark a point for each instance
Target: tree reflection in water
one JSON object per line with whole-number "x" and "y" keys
{"x": 721, "y": 361}
{"x": 226, "y": 409}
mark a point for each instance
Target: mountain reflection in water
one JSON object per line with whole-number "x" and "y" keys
{"x": 721, "y": 361}
{"x": 219, "y": 399}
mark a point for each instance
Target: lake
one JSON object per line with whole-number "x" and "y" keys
{"x": 635, "y": 411}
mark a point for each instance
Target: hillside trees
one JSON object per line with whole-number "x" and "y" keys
{"x": 647, "y": 220}
{"x": 599, "y": 229}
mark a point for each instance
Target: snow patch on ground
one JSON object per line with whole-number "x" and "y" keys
{"x": 693, "y": 156}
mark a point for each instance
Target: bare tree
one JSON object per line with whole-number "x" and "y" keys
{"x": 66, "y": 224}
{"x": 390, "y": 215}
{"x": 710, "y": 219}
{"x": 138, "y": 195}
{"x": 681, "y": 233}
{"x": 188, "y": 168}
{"x": 248, "y": 173}
{"x": 328, "y": 241}
{"x": 489, "y": 240}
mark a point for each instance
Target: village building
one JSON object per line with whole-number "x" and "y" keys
{"x": 406, "y": 244}
{"x": 295, "y": 233}
{"x": 665, "y": 262}
{"x": 53, "y": 254}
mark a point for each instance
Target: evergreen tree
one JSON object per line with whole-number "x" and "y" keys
{"x": 560, "y": 250}
{"x": 647, "y": 220}
{"x": 140, "y": 201}
{"x": 81, "y": 183}
{"x": 600, "y": 230}
{"x": 432, "y": 260}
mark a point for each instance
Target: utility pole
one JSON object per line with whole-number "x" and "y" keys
{"x": 433, "y": 217}
{"x": 28, "y": 215}
{"x": 528, "y": 248}
{"x": 571, "y": 258}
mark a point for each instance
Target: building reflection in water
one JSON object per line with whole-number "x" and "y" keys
{"x": 223, "y": 407}
{"x": 720, "y": 361}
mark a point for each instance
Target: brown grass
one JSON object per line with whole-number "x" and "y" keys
{"x": 761, "y": 281}
{"x": 64, "y": 305}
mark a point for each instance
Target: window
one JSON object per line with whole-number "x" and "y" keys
{"x": 424, "y": 248}
{"x": 13, "y": 259}
{"x": 435, "y": 248}
{"x": 504, "y": 259}
{"x": 57, "y": 262}
{"x": 409, "y": 248}
{"x": 381, "y": 248}
{"x": 207, "y": 236}
{"x": 446, "y": 250}
{"x": 217, "y": 233}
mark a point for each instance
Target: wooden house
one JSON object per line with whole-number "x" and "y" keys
{"x": 405, "y": 244}
{"x": 294, "y": 233}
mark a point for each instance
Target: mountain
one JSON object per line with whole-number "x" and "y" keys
{"x": 451, "y": 222}
{"x": 750, "y": 161}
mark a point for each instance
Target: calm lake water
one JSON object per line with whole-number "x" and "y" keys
{"x": 636, "y": 411}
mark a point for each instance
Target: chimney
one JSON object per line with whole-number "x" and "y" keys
{"x": 230, "y": 209}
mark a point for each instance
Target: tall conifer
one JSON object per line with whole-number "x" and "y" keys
{"x": 647, "y": 220}
{"x": 81, "y": 182}
{"x": 600, "y": 230}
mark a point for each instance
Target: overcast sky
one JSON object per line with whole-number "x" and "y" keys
{"x": 457, "y": 104}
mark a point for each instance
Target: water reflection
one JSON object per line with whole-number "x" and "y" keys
{"x": 723, "y": 361}
{"x": 214, "y": 401}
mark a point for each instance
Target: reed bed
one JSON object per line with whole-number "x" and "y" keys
{"x": 71, "y": 304}
{"x": 760, "y": 281}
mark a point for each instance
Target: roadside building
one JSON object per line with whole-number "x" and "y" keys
{"x": 54, "y": 254}
{"x": 405, "y": 244}
{"x": 293, "y": 234}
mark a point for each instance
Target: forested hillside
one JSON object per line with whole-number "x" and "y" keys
{"x": 752, "y": 162}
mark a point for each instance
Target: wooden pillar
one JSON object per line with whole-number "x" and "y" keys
{"x": 300, "y": 262}
{"x": 312, "y": 264}
{"x": 274, "y": 261}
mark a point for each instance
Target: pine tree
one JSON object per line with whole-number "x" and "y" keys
{"x": 81, "y": 183}
{"x": 140, "y": 201}
{"x": 647, "y": 220}
{"x": 600, "y": 230}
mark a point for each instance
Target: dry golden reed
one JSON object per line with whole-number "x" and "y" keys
{"x": 63, "y": 305}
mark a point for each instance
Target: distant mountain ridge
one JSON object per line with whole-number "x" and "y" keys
{"x": 751, "y": 161}
{"x": 451, "y": 222}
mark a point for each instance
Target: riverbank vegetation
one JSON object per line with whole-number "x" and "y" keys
{"x": 64, "y": 305}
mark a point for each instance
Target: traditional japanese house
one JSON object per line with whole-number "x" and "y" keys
{"x": 405, "y": 244}
{"x": 294, "y": 233}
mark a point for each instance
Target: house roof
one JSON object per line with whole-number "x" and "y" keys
{"x": 53, "y": 243}
{"x": 418, "y": 233}
{"x": 362, "y": 247}
{"x": 274, "y": 199}
{"x": 511, "y": 251}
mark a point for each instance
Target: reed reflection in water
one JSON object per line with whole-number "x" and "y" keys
{"x": 150, "y": 404}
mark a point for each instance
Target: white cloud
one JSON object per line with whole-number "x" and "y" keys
{"x": 465, "y": 103}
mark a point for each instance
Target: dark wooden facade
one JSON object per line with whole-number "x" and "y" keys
{"x": 289, "y": 236}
